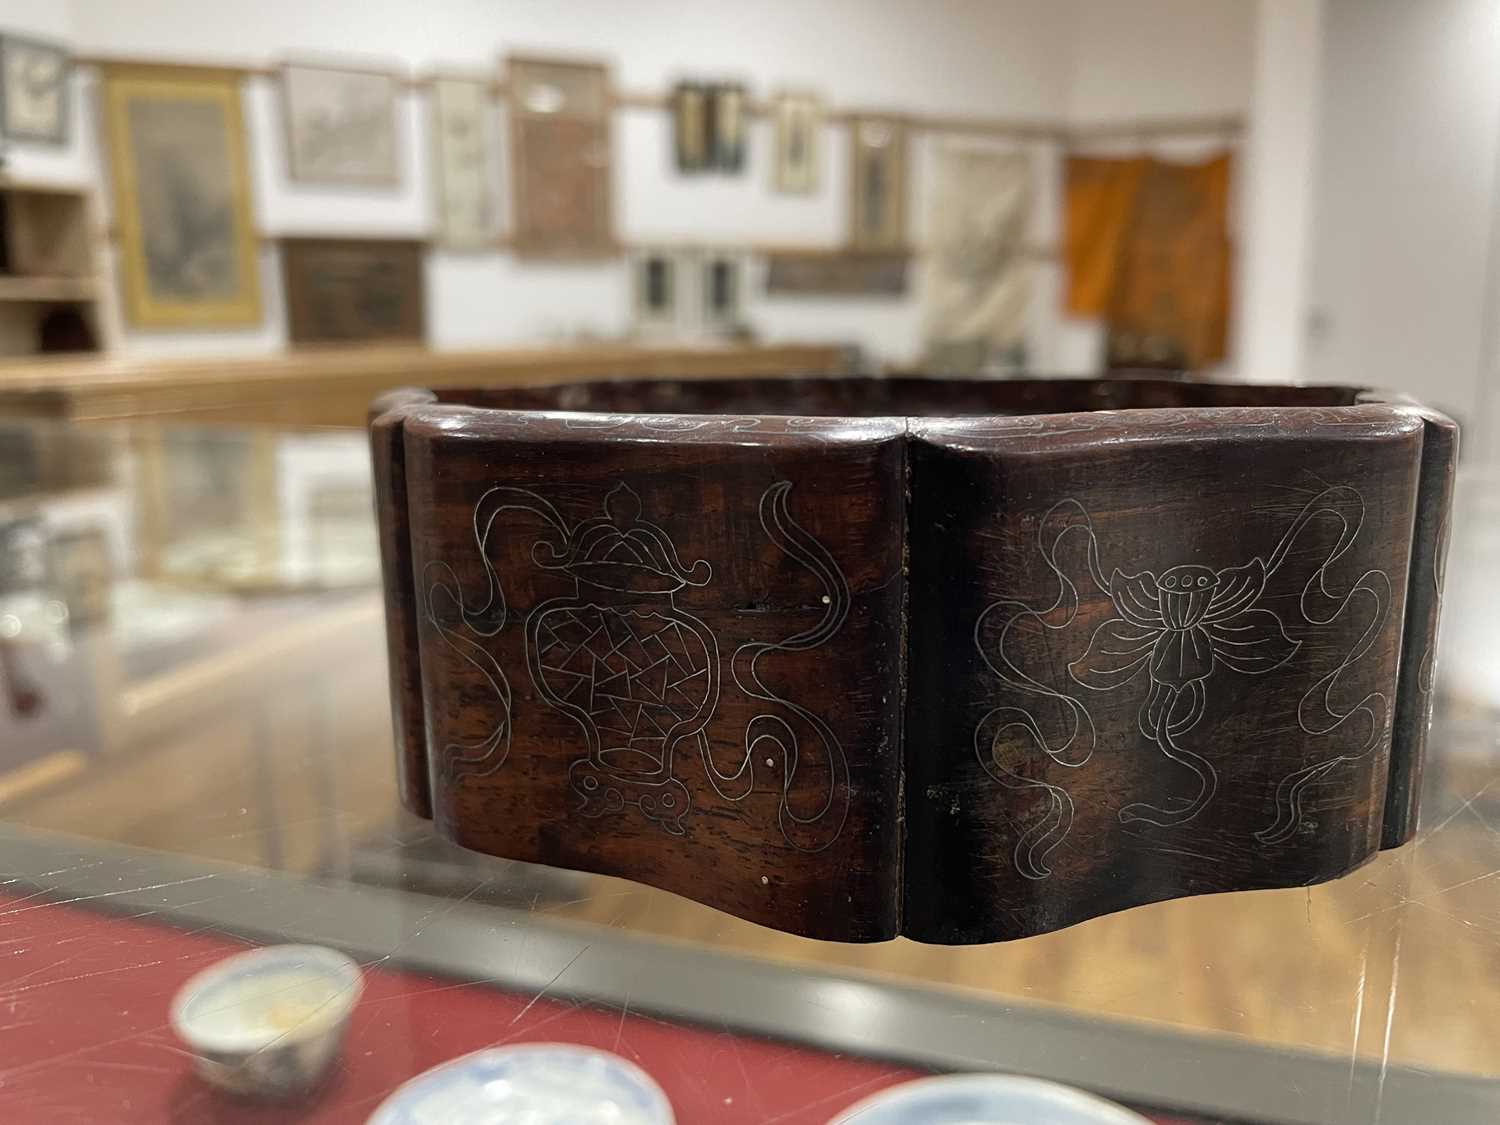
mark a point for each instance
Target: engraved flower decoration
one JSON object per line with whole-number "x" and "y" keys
{"x": 1182, "y": 625}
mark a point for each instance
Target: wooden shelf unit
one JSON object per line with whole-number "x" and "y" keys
{"x": 47, "y": 266}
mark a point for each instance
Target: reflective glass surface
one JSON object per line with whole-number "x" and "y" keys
{"x": 195, "y": 759}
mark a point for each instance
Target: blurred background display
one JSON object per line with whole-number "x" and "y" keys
{"x": 1257, "y": 189}
{"x": 225, "y": 227}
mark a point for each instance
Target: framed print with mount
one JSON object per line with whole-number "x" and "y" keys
{"x": 690, "y": 131}
{"x": 340, "y": 125}
{"x": 176, "y": 142}
{"x": 560, "y": 159}
{"x": 722, "y": 302}
{"x": 33, "y": 90}
{"x": 727, "y": 126}
{"x": 877, "y": 183}
{"x": 349, "y": 290}
{"x": 465, "y": 188}
{"x": 659, "y": 274}
{"x": 798, "y": 121}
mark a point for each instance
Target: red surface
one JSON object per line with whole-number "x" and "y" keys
{"x": 84, "y": 1036}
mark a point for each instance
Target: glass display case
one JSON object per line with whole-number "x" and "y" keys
{"x": 195, "y": 759}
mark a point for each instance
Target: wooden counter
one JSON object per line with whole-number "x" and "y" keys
{"x": 333, "y": 387}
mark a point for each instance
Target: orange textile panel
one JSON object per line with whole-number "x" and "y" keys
{"x": 1148, "y": 249}
{"x": 1100, "y": 197}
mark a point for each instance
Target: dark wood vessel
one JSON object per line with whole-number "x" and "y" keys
{"x": 963, "y": 661}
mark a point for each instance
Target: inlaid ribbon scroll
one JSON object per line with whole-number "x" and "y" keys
{"x": 637, "y": 672}
{"x": 1178, "y": 629}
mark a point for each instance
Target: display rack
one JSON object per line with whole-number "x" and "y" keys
{"x": 49, "y": 285}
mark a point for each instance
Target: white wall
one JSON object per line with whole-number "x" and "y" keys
{"x": 1144, "y": 59}
{"x": 1080, "y": 61}
{"x": 1405, "y": 200}
{"x": 1159, "y": 58}
{"x": 1276, "y": 191}
{"x": 957, "y": 57}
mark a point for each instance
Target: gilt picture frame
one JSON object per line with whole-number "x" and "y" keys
{"x": 175, "y": 137}
{"x": 340, "y": 125}
{"x": 35, "y": 90}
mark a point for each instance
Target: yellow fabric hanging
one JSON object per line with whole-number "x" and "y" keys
{"x": 1148, "y": 249}
{"x": 1100, "y": 196}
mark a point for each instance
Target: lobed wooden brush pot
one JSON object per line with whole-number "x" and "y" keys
{"x": 962, "y": 661}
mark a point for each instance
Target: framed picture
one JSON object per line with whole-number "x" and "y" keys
{"x": 727, "y": 127}
{"x": 560, "y": 159}
{"x": 709, "y": 126}
{"x": 690, "y": 138}
{"x": 722, "y": 301}
{"x": 836, "y": 272}
{"x": 877, "y": 183}
{"x": 656, "y": 275}
{"x": 798, "y": 121}
{"x": 465, "y": 188}
{"x": 353, "y": 290}
{"x": 33, "y": 90}
{"x": 340, "y": 125}
{"x": 176, "y": 142}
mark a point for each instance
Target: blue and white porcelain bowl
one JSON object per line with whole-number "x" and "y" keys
{"x": 985, "y": 1099}
{"x": 529, "y": 1084}
{"x": 269, "y": 1022}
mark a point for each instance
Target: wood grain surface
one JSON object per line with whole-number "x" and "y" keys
{"x": 792, "y": 649}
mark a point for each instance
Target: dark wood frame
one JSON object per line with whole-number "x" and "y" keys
{"x": 297, "y": 290}
{"x": 943, "y": 615}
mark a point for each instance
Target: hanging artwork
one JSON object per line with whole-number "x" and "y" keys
{"x": 977, "y": 286}
{"x": 877, "y": 183}
{"x": 1099, "y": 197}
{"x": 798, "y": 121}
{"x": 182, "y": 199}
{"x": 709, "y": 126}
{"x": 33, "y": 90}
{"x": 465, "y": 191}
{"x": 353, "y": 290}
{"x": 340, "y": 125}
{"x": 690, "y": 130}
{"x": 1147, "y": 246}
{"x": 721, "y": 301}
{"x": 727, "y": 127}
{"x": 560, "y": 158}
{"x": 836, "y": 272}
{"x": 657, "y": 291}
{"x": 1170, "y": 306}
{"x": 688, "y": 291}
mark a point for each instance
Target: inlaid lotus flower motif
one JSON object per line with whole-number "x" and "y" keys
{"x": 1177, "y": 629}
{"x": 1182, "y": 625}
